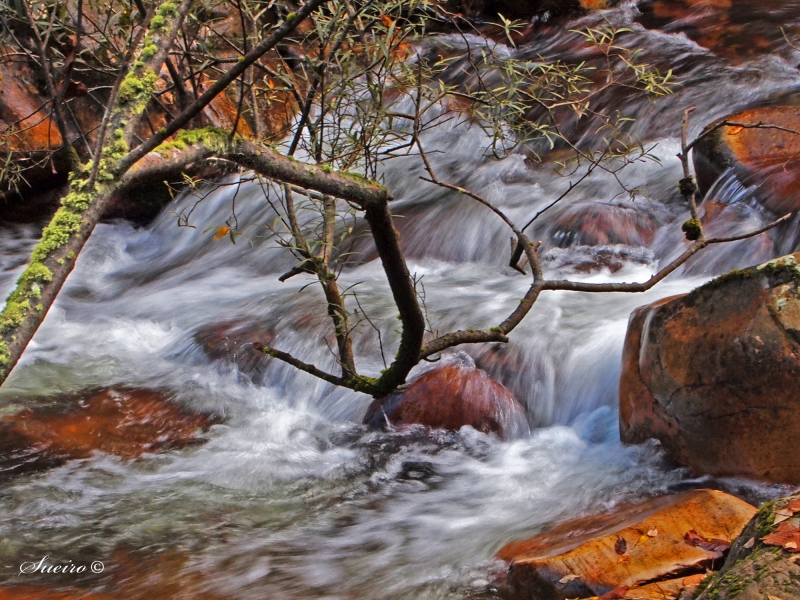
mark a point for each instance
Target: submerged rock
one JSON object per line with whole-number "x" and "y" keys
{"x": 450, "y": 397}
{"x": 762, "y": 563}
{"x": 127, "y": 423}
{"x": 713, "y": 374}
{"x": 633, "y": 551}
{"x": 231, "y": 342}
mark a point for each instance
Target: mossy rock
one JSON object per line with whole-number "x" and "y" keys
{"x": 759, "y": 572}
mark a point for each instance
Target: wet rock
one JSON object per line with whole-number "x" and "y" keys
{"x": 232, "y": 342}
{"x": 762, "y": 156}
{"x": 627, "y": 550}
{"x": 756, "y": 567}
{"x": 526, "y": 9}
{"x": 737, "y": 30}
{"x": 450, "y": 397}
{"x": 35, "y": 592}
{"x": 133, "y": 575}
{"x": 127, "y": 423}
{"x": 712, "y": 374}
{"x": 602, "y": 224}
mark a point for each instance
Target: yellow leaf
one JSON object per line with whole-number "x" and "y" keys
{"x": 221, "y": 232}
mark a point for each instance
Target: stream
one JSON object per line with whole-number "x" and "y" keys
{"x": 290, "y": 496}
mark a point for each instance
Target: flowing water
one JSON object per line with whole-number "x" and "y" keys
{"x": 289, "y": 496}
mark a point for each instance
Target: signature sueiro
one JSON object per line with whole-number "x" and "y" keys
{"x": 42, "y": 566}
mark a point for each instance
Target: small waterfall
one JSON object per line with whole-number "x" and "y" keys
{"x": 290, "y": 496}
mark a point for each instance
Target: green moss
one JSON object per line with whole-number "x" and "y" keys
{"x": 5, "y": 356}
{"x": 158, "y": 22}
{"x": 77, "y": 201}
{"x": 136, "y": 89}
{"x": 496, "y": 330}
{"x": 29, "y": 287}
{"x": 168, "y": 9}
{"x": 692, "y": 229}
{"x": 291, "y": 16}
{"x": 65, "y": 223}
{"x": 211, "y": 137}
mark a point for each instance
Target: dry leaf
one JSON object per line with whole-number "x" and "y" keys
{"x": 642, "y": 539}
{"x": 750, "y": 543}
{"x": 387, "y": 21}
{"x": 718, "y": 547}
{"x": 771, "y": 597}
{"x": 567, "y": 578}
{"x": 221, "y": 232}
{"x": 623, "y": 559}
{"x": 615, "y": 594}
{"x": 653, "y": 532}
{"x": 793, "y": 506}
{"x": 787, "y": 536}
{"x": 621, "y": 546}
{"x": 735, "y": 130}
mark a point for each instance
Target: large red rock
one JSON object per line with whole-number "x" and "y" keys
{"x": 663, "y": 541}
{"x": 763, "y": 156}
{"x": 127, "y": 423}
{"x": 450, "y": 397}
{"x": 713, "y": 374}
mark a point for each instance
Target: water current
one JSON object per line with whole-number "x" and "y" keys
{"x": 290, "y": 496}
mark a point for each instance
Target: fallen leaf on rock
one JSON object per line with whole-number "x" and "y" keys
{"x": 771, "y": 597}
{"x": 653, "y": 532}
{"x": 693, "y": 579}
{"x": 717, "y": 546}
{"x": 642, "y": 539}
{"x": 615, "y": 594}
{"x": 735, "y": 130}
{"x": 793, "y": 506}
{"x": 782, "y": 515}
{"x": 750, "y": 543}
{"x": 624, "y": 558}
{"x": 621, "y": 546}
{"x": 787, "y": 536}
{"x": 567, "y": 578}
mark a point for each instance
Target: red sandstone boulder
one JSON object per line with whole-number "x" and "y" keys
{"x": 450, "y": 397}
{"x": 633, "y": 551}
{"x": 762, "y": 156}
{"x": 127, "y": 423}
{"x": 713, "y": 374}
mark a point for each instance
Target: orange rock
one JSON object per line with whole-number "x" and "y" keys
{"x": 450, "y": 397}
{"x": 653, "y": 550}
{"x": 762, "y": 156}
{"x": 127, "y": 423}
{"x": 712, "y": 374}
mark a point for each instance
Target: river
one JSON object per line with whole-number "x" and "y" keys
{"x": 290, "y": 496}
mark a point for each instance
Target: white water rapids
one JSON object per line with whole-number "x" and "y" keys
{"x": 290, "y": 497}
